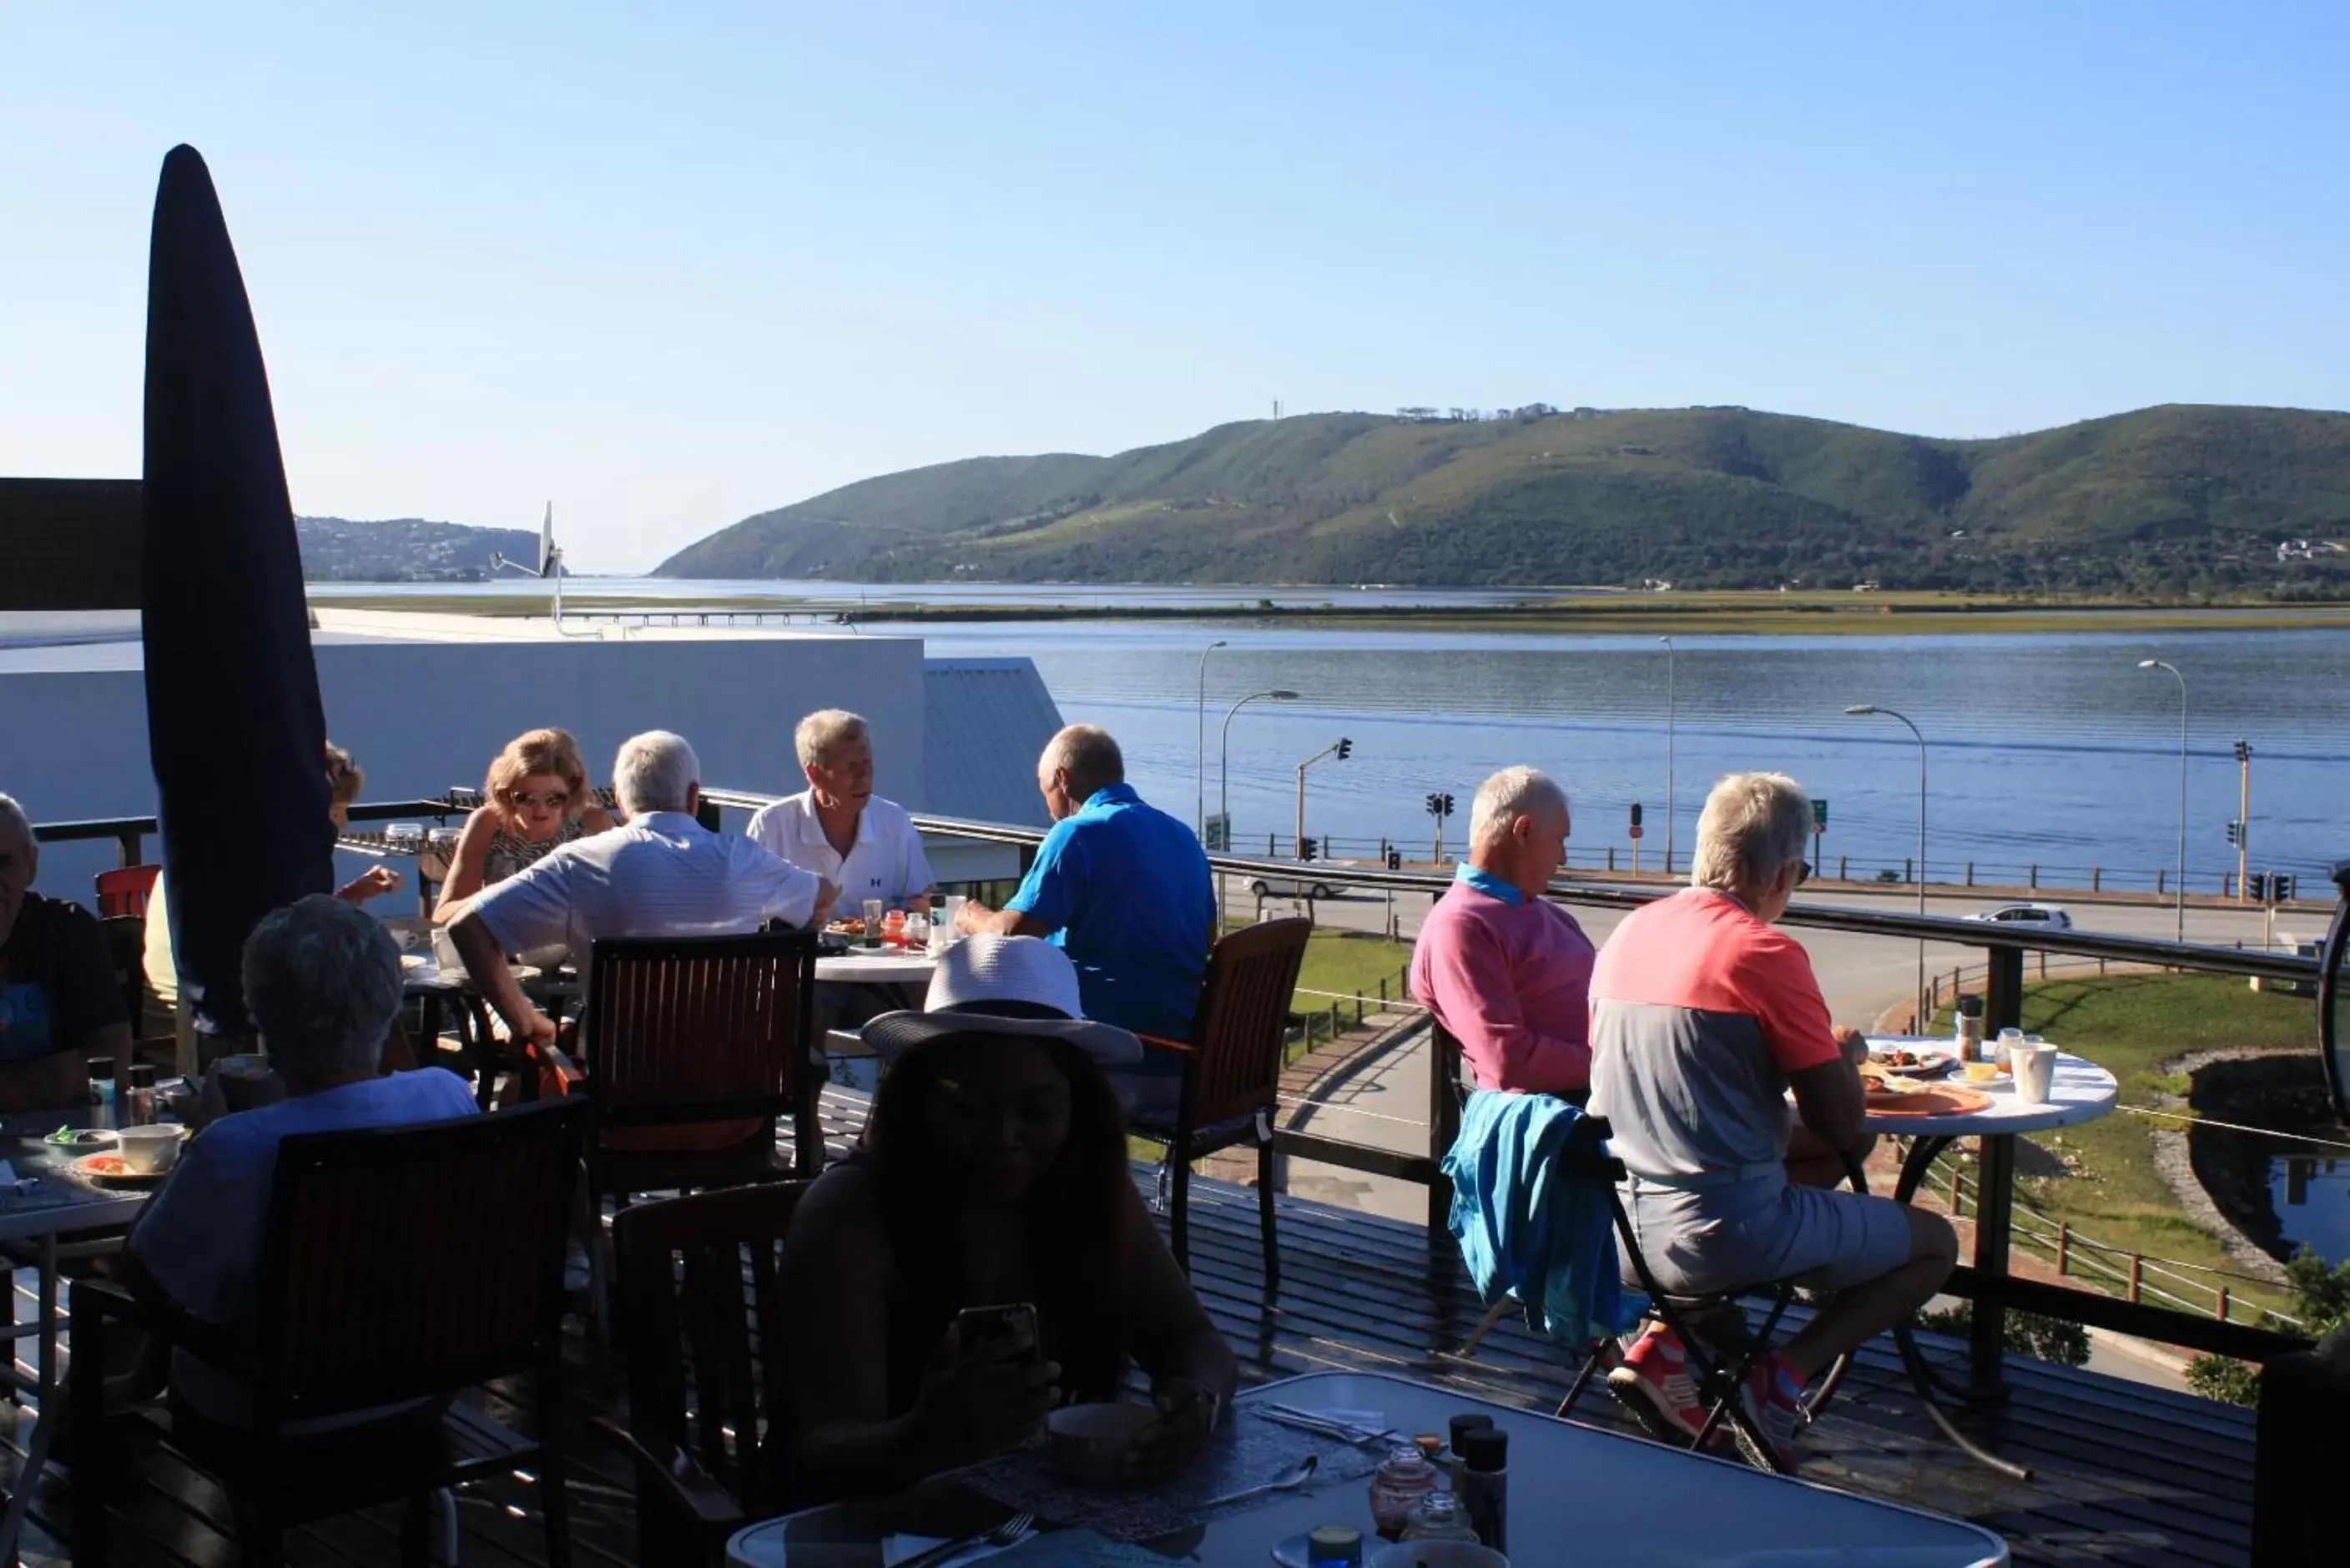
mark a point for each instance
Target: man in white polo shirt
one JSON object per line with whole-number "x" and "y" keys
{"x": 837, "y": 827}
{"x": 660, "y": 873}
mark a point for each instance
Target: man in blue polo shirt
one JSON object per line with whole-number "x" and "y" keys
{"x": 1124, "y": 888}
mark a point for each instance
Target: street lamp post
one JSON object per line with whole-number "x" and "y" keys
{"x": 1670, "y": 714}
{"x": 1864, "y": 710}
{"x": 1200, "y": 808}
{"x": 1224, "y": 779}
{"x": 2182, "y": 889}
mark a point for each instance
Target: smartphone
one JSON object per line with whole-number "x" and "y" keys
{"x": 977, "y": 1325}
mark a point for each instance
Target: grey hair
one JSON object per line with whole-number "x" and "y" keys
{"x": 322, "y": 981}
{"x": 12, "y": 812}
{"x": 1752, "y": 825}
{"x": 825, "y": 729}
{"x": 655, "y": 771}
{"x": 1508, "y": 795}
{"x": 1088, "y": 755}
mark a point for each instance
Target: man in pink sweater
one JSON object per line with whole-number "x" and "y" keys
{"x": 1504, "y": 971}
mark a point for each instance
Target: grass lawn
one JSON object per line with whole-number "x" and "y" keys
{"x": 1347, "y": 963}
{"x": 2129, "y": 1024}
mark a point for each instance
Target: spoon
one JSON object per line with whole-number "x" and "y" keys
{"x": 1296, "y": 1476}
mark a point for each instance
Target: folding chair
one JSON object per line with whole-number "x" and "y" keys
{"x": 1718, "y": 1370}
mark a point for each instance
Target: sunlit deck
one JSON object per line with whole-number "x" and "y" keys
{"x": 2121, "y": 1473}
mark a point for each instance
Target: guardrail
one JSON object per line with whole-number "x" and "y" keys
{"x": 1986, "y": 1282}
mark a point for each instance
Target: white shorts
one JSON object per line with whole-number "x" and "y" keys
{"x": 1822, "y": 1237}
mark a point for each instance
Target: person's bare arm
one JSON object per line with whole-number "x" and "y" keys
{"x": 62, "y": 1077}
{"x": 835, "y": 1287}
{"x": 1192, "y": 1371}
{"x": 485, "y": 961}
{"x": 975, "y": 919}
{"x": 466, "y": 866}
{"x": 1829, "y": 1097}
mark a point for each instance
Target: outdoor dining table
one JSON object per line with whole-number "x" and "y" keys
{"x": 2081, "y": 1091}
{"x": 875, "y": 966}
{"x": 1577, "y": 1495}
{"x": 48, "y": 1203}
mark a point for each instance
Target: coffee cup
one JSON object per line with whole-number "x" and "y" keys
{"x": 148, "y": 1150}
{"x": 2034, "y": 1068}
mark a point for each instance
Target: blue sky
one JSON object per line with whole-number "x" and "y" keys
{"x": 670, "y": 268}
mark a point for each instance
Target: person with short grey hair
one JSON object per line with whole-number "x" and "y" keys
{"x": 322, "y": 980}
{"x": 1753, "y": 826}
{"x": 1124, "y": 888}
{"x": 1503, "y": 970}
{"x": 837, "y": 827}
{"x": 60, "y": 1003}
{"x": 658, "y": 873}
{"x": 1704, "y": 1017}
{"x": 656, "y": 771}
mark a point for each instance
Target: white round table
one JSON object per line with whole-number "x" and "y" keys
{"x": 875, "y": 966}
{"x": 2081, "y": 1092}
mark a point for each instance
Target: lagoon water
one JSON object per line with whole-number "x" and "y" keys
{"x": 2049, "y": 750}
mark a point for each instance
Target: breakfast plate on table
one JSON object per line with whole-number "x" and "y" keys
{"x": 1946, "y": 1101}
{"x": 1913, "y": 1061}
{"x": 109, "y": 1170}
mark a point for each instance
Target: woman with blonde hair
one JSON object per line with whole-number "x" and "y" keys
{"x": 535, "y": 798}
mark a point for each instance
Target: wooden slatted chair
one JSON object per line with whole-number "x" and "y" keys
{"x": 1231, "y": 1071}
{"x": 689, "y": 1049}
{"x": 400, "y": 1266}
{"x": 700, "y": 1320}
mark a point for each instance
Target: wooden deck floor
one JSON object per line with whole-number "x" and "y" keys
{"x": 2122, "y": 1474}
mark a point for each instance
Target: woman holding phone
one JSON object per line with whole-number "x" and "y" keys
{"x": 984, "y": 1256}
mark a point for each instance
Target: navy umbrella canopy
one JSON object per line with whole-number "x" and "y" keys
{"x": 233, "y": 720}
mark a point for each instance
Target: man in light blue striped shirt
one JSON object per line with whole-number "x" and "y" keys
{"x": 660, "y": 873}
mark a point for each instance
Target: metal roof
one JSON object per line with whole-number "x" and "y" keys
{"x": 985, "y": 723}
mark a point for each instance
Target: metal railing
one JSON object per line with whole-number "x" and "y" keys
{"x": 2005, "y": 949}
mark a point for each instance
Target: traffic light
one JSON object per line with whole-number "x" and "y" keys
{"x": 1345, "y": 748}
{"x": 2243, "y": 751}
{"x": 2235, "y": 832}
{"x": 1394, "y": 858}
{"x": 1448, "y": 805}
{"x": 1435, "y": 805}
{"x": 1307, "y": 848}
{"x": 2260, "y": 881}
{"x": 2280, "y": 883}
{"x": 1636, "y": 813}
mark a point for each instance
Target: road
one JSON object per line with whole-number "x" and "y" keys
{"x": 1861, "y": 975}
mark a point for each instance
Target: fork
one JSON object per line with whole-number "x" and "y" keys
{"x": 1007, "y": 1533}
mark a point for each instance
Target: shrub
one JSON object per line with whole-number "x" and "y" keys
{"x": 2048, "y": 1338}
{"x": 2221, "y": 1377}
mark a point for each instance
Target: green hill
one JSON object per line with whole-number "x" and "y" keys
{"x": 2165, "y": 502}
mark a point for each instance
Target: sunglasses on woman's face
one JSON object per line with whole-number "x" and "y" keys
{"x": 1803, "y": 872}
{"x": 552, "y": 797}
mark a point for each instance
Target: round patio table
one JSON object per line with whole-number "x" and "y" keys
{"x": 2081, "y": 1092}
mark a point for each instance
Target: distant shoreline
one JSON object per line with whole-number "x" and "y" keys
{"x": 1728, "y": 614}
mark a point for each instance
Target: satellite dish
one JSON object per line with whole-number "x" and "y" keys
{"x": 550, "y": 562}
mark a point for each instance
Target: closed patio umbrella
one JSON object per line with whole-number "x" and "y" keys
{"x": 233, "y": 719}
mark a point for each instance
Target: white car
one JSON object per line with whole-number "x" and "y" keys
{"x": 1283, "y": 888}
{"x": 2044, "y": 917}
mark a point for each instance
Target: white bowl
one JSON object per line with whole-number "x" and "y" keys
{"x": 1437, "y": 1554}
{"x": 1090, "y": 1442}
{"x": 148, "y": 1150}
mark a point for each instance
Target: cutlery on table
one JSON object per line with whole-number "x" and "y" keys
{"x": 1008, "y": 1533}
{"x": 1296, "y": 1476}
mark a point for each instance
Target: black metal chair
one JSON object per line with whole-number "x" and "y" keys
{"x": 399, "y": 1267}
{"x": 1712, "y": 1327}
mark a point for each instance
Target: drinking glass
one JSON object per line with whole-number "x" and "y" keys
{"x": 873, "y": 911}
{"x": 404, "y": 836}
{"x": 2009, "y": 1039}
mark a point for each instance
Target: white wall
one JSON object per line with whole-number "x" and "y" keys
{"x": 421, "y": 717}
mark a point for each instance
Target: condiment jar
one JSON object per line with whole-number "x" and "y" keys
{"x": 1402, "y": 1480}
{"x": 1438, "y": 1516}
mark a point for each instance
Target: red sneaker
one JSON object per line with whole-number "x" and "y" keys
{"x": 1653, "y": 1383}
{"x": 1772, "y": 1398}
